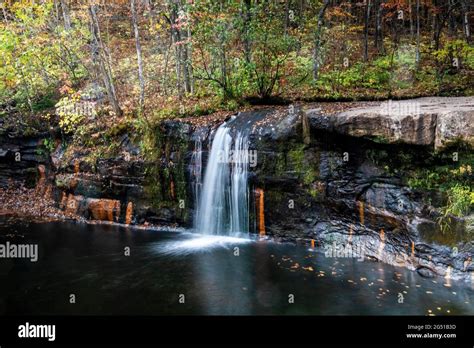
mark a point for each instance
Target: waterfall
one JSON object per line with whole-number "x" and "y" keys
{"x": 224, "y": 200}
{"x": 196, "y": 171}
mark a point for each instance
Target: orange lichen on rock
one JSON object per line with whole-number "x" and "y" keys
{"x": 42, "y": 172}
{"x": 48, "y": 192}
{"x": 41, "y": 184}
{"x": 361, "y": 212}
{"x": 172, "y": 194}
{"x": 261, "y": 211}
{"x": 63, "y": 202}
{"x": 104, "y": 209}
{"x": 129, "y": 213}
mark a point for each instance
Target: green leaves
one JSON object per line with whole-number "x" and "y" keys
{"x": 36, "y": 54}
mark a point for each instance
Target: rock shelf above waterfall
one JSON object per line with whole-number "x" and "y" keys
{"x": 435, "y": 121}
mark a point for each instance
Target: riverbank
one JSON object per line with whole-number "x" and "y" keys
{"x": 22, "y": 202}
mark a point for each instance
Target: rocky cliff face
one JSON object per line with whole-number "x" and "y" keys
{"x": 325, "y": 180}
{"x": 19, "y": 160}
{"x": 336, "y": 180}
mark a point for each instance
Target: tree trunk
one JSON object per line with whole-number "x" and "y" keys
{"x": 410, "y": 12}
{"x": 465, "y": 17}
{"x": 99, "y": 57}
{"x": 247, "y": 19}
{"x": 301, "y": 8}
{"x": 223, "y": 63}
{"x": 56, "y": 11}
{"x": 417, "y": 32}
{"x": 378, "y": 26}
{"x": 436, "y": 25}
{"x": 287, "y": 15}
{"x": 366, "y": 30}
{"x": 317, "y": 40}
{"x": 452, "y": 20}
{"x": 176, "y": 36}
{"x": 189, "y": 62}
{"x": 5, "y": 17}
{"x": 441, "y": 24}
{"x": 185, "y": 62}
{"x": 66, "y": 16}
{"x": 141, "y": 79}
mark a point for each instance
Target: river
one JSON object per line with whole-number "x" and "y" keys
{"x": 118, "y": 270}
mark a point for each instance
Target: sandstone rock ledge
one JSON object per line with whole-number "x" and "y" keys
{"x": 435, "y": 121}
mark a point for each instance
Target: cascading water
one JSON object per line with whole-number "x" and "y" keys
{"x": 224, "y": 203}
{"x": 196, "y": 170}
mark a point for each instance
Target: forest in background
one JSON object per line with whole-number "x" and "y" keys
{"x": 92, "y": 65}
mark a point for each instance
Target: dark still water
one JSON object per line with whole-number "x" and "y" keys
{"x": 89, "y": 261}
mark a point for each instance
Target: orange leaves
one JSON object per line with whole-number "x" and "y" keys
{"x": 338, "y": 13}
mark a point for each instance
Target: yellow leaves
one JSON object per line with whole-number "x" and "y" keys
{"x": 463, "y": 169}
{"x": 69, "y": 112}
